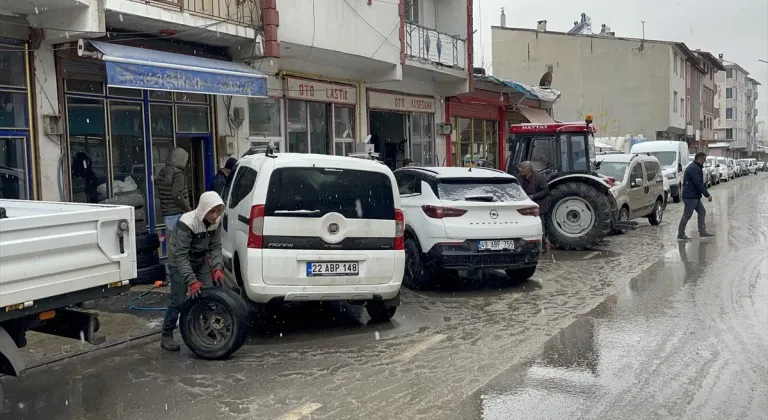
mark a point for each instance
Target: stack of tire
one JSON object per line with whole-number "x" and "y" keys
{"x": 147, "y": 259}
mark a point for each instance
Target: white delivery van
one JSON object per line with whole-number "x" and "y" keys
{"x": 307, "y": 227}
{"x": 673, "y": 158}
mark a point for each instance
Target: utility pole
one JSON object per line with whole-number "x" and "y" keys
{"x": 643, "y": 22}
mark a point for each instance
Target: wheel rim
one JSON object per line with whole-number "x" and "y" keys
{"x": 210, "y": 324}
{"x": 659, "y": 212}
{"x": 623, "y": 214}
{"x": 573, "y": 217}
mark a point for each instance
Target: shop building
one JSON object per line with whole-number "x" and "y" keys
{"x": 480, "y": 120}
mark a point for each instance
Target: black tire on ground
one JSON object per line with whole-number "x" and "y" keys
{"x": 657, "y": 214}
{"x": 601, "y": 213}
{"x": 149, "y": 275}
{"x": 518, "y": 275}
{"x": 417, "y": 275}
{"x": 147, "y": 242}
{"x": 215, "y": 324}
{"x": 378, "y": 312}
{"x": 147, "y": 259}
{"x": 623, "y": 216}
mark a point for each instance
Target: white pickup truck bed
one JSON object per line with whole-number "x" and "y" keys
{"x": 49, "y": 249}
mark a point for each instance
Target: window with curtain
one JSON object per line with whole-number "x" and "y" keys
{"x": 343, "y": 130}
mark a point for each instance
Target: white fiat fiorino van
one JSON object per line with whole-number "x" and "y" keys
{"x": 673, "y": 158}
{"x": 308, "y": 227}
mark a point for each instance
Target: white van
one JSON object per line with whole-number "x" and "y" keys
{"x": 307, "y": 227}
{"x": 673, "y": 158}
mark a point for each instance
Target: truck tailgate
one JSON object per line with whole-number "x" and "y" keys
{"x": 50, "y": 249}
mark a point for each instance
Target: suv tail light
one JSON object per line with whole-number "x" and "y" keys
{"x": 256, "y": 231}
{"x": 399, "y": 230}
{"x": 439, "y": 212}
{"x": 529, "y": 211}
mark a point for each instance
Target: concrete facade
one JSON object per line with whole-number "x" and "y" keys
{"x": 735, "y": 97}
{"x": 631, "y": 86}
{"x": 707, "y": 87}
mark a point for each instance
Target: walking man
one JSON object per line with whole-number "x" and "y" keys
{"x": 194, "y": 259}
{"x": 220, "y": 180}
{"x": 535, "y": 185}
{"x": 693, "y": 188}
{"x": 171, "y": 186}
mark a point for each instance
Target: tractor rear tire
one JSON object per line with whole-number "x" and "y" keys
{"x": 579, "y": 218}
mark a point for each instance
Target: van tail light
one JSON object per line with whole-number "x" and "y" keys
{"x": 256, "y": 231}
{"x": 399, "y": 230}
{"x": 439, "y": 212}
{"x": 529, "y": 211}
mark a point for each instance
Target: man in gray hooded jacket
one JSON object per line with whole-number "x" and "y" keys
{"x": 171, "y": 184}
{"x": 194, "y": 259}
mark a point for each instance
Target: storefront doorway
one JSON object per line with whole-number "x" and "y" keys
{"x": 199, "y": 156}
{"x": 389, "y": 135}
{"x": 13, "y": 166}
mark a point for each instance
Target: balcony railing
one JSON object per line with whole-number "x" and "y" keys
{"x": 242, "y": 12}
{"x": 426, "y": 44}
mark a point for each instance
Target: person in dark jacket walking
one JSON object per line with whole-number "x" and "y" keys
{"x": 172, "y": 190}
{"x": 693, "y": 188}
{"x": 220, "y": 180}
{"x": 194, "y": 259}
{"x": 535, "y": 185}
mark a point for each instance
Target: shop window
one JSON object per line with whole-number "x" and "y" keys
{"x": 319, "y": 135}
{"x": 124, "y": 92}
{"x": 12, "y": 66}
{"x": 264, "y": 117}
{"x": 192, "y": 119}
{"x": 126, "y": 126}
{"x": 344, "y": 130}
{"x": 160, "y": 95}
{"x": 198, "y": 98}
{"x": 161, "y": 130}
{"x": 477, "y": 142}
{"x": 13, "y": 110}
{"x": 84, "y": 86}
{"x": 87, "y": 148}
{"x": 308, "y": 127}
{"x": 13, "y": 179}
{"x": 297, "y": 127}
{"x": 491, "y": 143}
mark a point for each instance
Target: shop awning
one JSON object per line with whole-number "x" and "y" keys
{"x": 140, "y": 68}
{"x": 719, "y": 145}
{"x": 536, "y": 116}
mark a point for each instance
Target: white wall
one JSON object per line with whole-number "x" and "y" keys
{"x": 625, "y": 86}
{"x": 676, "y": 84}
{"x": 452, "y": 17}
{"x": 50, "y": 150}
{"x": 347, "y": 26}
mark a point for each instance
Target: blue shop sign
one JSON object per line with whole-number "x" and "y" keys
{"x": 139, "y": 76}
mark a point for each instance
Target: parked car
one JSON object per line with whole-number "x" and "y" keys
{"x": 639, "y": 189}
{"x": 738, "y": 168}
{"x": 309, "y": 227}
{"x": 725, "y": 168}
{"x": 467, "y": 219}
{"x": 711, "y": 170}
{"x": 673, "y": 158}
{"x": 750, "y": 165}
{"x": 761, "y": 166}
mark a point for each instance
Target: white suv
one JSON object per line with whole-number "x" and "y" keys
{"x": 305, "y": 227}
{"x": 466, "y": 220}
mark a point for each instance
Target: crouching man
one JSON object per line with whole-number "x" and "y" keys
{"x": 194, "y": 259}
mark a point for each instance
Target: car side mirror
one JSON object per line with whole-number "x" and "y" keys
{"x": 637, "y": 182}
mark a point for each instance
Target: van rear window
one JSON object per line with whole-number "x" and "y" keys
{"x": 315, "y": 192}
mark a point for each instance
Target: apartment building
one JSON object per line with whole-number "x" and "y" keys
{"x": 735, "y": 126}
{"x": 101, "y": 90}
{"x": 704, "y": 107}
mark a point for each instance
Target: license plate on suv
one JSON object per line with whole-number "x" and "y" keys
{"x": 333, "y": 269}
{"x": 496, "y": 245}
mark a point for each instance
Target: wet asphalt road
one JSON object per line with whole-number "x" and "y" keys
{"x": 641, "y": 328}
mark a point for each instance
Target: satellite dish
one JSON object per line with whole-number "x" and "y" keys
{"x": 546, "y": 79}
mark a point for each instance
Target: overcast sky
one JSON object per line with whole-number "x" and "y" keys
{"x": 736, "y": 28}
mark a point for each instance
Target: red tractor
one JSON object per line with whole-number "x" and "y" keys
{"x": 582, "y": 210}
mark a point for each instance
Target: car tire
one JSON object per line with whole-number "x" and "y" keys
{"x": 623, "y": 216}
{"x": 417, "y": 275}
{"x": 595, "y": 202}
{"x": 149, "y": 275}
{"x": 147, "y": 259}
{"x": 519, "y": 275}
{"x": 657, "y": 215}
{"x": 227, "y": 327}
{"x": 380, "y": 313}
{"x": 147, "y": 242}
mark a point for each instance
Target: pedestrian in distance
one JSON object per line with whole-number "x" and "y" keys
{"x": 407, "y": 163}
{"x": 693, "y": 188}
{"x": 535, "y": 185}
{"x": 219, "y": 181}
{"x": 172, "y": 190}
{"x": 194, "y": 259}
